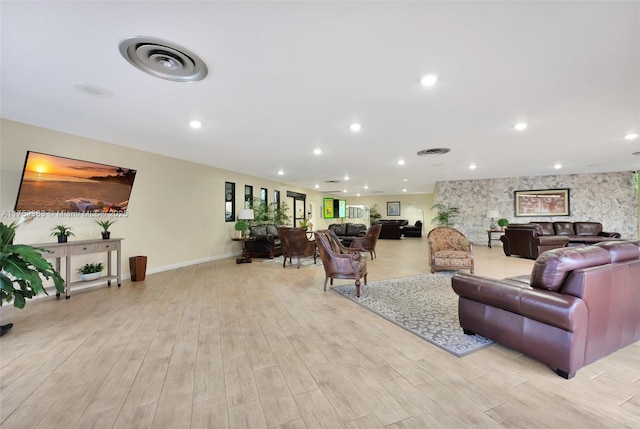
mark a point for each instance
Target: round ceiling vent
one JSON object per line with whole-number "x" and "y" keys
{"x": 163, "y": 59}
{"x": 434, "y": 151}
{"x": 331, "y": 181}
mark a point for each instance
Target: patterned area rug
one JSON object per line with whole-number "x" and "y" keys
{"x": 425, "y": 305}
{"x": 304, "y": 262}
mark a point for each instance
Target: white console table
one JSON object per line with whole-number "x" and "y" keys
{"x": 83, "y": 247}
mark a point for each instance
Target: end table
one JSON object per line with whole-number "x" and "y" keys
{"x": 493, "y": 231}
{"x": 246, "y": 257}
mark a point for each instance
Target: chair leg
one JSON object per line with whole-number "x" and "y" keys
{"x": 365, "y": 279}
{"x": 298, "y": 262}
{"x": 284, "y": 261}
{"x": 325, "y": 283}
{"x": 358, "y": 288}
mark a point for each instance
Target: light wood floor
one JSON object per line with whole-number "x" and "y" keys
{"x": 221, "y": 345}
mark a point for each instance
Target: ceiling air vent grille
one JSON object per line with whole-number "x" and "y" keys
{"x": 163, "y": 59}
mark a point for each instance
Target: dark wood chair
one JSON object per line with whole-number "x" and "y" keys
{"x": 368, "y": 242}
{"x": 339, "y": 265}
{"x": 449, "y": 250}
{"x": 295, "y": 243}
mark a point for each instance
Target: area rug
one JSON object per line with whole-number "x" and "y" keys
{"x": 304, "y": 262}
{"x": 424, "y": 305}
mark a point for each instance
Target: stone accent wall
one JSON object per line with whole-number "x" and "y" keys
{"x": 609, "y": 198}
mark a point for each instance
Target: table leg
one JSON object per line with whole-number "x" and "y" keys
{"x": 489, "y": 234}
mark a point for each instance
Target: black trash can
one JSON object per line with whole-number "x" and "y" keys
{"x": 138, "y": 268}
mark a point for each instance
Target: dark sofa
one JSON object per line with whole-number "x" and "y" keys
{"x": 267, "y": 244}
{"x": 392, "y": 229}
{"x": 346, "y": 232}
{"x": 529, "y": 240}
{"x": 578, "y": 305}
{"x": 413, "y": 230}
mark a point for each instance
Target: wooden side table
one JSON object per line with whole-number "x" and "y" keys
{"x": 246, "y": 257}
{"x": 493, "y": 231}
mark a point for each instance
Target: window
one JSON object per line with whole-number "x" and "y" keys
{"x": 229, "y": 201}
{"x": 263, "y": 196}
{"x": 248, "y": 196}
{"x": 276, "y": 198}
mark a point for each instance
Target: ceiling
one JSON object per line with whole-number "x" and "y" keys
{"x": 285, "y": 78}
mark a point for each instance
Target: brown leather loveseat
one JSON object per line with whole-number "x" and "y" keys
{"x": 529, "y": 240}
{"x": 579, "y": 305}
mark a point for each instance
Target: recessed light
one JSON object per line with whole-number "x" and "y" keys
{"x": 344, "y": 191}
{"x": 280, "y": 172}
{"x": 404, "y": 190}
{"x": 520, "y": 126}
{"x": 355, "y": 127}
{"x": 631, "y": 136}
{"x": 428, "y": 80}
{"x": 472, "y": 166}
{"x": 557, "y": 166}
{"x": 401, "y": 162}
{"x": 405, "y": 180}
{"x": 317, "y": 186}
{"x": 366, "y": 186}
{"x": 195, "y": 124}
{"x": 317, "y": 151}
{"x": 346, "y": 177}
{"x": 357, "y": 195}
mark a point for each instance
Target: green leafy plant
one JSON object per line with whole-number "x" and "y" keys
{"x": 445, "y": 215}
{"x": 374, "y": 214}
{"x": 502, "y": 222}
{"x": 279, "y": 215}
{"x": 105, "y": 224}
{"x": 241, "y": 225}
{"x": 60, "y": 230}
{"x": 22, "y": 268}
{"x": 303, "y": 223}
{"x": 95, "y": 267}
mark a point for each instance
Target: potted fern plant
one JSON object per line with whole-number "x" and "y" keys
{"x": 62, "y": 232}
{"x": 90, "y": 271}
{"x": 445, "y": 215}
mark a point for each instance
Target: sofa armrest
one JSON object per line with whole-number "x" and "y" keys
{"x": 610, "y": 234}
{"x": 563, "y": 311}
{"x": 552, "y": 240}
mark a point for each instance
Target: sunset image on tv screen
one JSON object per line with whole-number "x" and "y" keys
{"x": 54, "y": 183}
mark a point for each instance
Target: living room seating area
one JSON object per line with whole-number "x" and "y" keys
{"x": 531, "y": 239}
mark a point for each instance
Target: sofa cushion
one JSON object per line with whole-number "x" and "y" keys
{"x": 587, "y": 228}
{"x": 544, "y": 228}
{"x": 621, "y": 251}
{"x": 259, "y": 230}
{"x": 271, "y": 229}
{"x": 355, "y": 229}
{"x": 563, "y": 228}
{"x": 340, "y": 229}
{"x": 552, "y": 267}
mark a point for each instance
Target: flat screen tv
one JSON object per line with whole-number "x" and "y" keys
{"x": 53, "y": 183}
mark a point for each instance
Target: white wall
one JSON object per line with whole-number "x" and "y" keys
{"x": 176, "y": 209}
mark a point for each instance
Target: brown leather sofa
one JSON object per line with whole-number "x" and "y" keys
{"x": 413, "y": 230}
{"x": 529, "y": 240}
{"x": 392, "y": 229}
{"x": 578, "y": 305}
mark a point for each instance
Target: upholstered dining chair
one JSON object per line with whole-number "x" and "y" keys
{"x": 295, "y": 243}
{"x": 368, "y": 242}
{"x": 449, "y": 250}
{"x": 338, "y": 265}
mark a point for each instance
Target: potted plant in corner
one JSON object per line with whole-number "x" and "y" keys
{"x": 502, "y": 222}
{"x": 241, "y": 226}
{"x": 90, "y": 271}
{"x": 62, "y": 232}
{"x": 445, "y": 215}
{"x": 105, "y": 224}
{"x": 21, "y": 270}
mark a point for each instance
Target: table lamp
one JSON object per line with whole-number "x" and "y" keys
{"x": 493, "y": 214}
{"x": 245, "y": 214}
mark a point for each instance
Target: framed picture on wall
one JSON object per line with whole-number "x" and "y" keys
{"x": 544, "y": 202}
{"x": 327, "y": 208}
{"x": 393, "y": 208}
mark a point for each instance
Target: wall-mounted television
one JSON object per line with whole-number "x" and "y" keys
{"x": 53, "y": 183}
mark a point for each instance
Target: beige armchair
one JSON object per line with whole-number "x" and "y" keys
{"x": 449, "y": 250}
{"x": 338, "y": 265}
